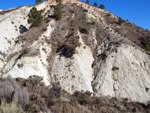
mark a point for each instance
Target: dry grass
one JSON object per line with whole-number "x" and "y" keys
{"x": 10, "y": 91}
{"x": 10, "y": 108}
{"x": 58, "y": 101}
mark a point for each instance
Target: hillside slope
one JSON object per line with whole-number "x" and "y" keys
{"x": 86, "y": 50}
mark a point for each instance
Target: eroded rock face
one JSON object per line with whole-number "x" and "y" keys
{"x": 24, "y": 54}
{"x": 31, "y": 60}
{"x": 77, "y": 54}
{"x": 74, "y": 74}
{"x": 125, "y": 74}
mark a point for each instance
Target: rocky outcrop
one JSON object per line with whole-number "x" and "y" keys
{"x": 16, "y": 56}
{"x": 124, "y": 74}
{"x": 74, "y": 73}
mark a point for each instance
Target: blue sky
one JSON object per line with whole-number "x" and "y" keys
{"x": 136, "y": 11}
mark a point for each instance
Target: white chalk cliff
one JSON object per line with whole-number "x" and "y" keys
{"x": 104, "y": 62}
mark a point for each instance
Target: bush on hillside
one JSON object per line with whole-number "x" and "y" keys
{"x": 38, "y": 1}
{"x": 32, "y": 108}
{"x": 102, "y": 6}
{"x": 109, "y": 14}
{"x": 146, "y": 45}
{"x": 95, "y": 4}
{"x": 93, "y": 23}
{"x": 10, "y": 108}
{"x": 120, "y": 21}
{"x": 10, "y": 91}
{"x": 35, "y": 17}
{"x": 87, "y": 2}
{"x": 146, "y": 30}
{"x": 58, "y": 12}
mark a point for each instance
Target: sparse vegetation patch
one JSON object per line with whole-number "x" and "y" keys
{"x": 109, "y": 14}
{"x": 120, "y": 21}
{"x": 102, "y": 6}
{"x": 35, "y": 17}
{"x": 38, "y": 1}
{"x": 145, "y": 45}
{"x": 58, "y": 12}
{"x": 83, "y": 30}
{"x": 93, "y": 23}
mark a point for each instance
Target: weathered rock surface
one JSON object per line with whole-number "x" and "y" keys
{"x": 125, "y": 74}
{"x": 75, "y": 73}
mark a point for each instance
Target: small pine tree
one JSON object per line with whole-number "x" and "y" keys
{"x": 120, "y": 21}
{"x": 87, "y": 2}
{"x": 95, "y": 4}
{"x": 102, "y": 6}
{"x": 35, "y": 17}
{"x": 93, "y": 23}
{"x": 108, "y": 14}
{"x": 38, "y": 1}
{"x": 58, "y": 12}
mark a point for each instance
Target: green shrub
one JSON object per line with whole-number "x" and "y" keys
{"x": 58, "y": 12}
{"x": 108, "y": 14}
{"x": 121, "y": 35}
{"x": 95, "y": 4}
{"x": 38, "y": 1}
{"x": 146, "y": 30}
{"x": 146, "y": 45}
{"x": 10, "y": 108}
{"x": 35, "y": 17}
{"x": 32, "y": 108}
{"x": 87, "y": 2}
{"x": 93, "y": 23}
{"x": 102, "y": 6}
{"x": 120, "y": 21}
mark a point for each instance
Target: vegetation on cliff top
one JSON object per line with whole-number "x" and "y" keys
{"x": 35, "y": 17}
{"x": 58, "y": 12}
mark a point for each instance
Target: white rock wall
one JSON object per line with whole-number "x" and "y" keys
{"x": 10, "y": 23}
{"x": 9, "y": 31}
{"x": 74, "y": 74}
{"x": 124, "y": 74}
{"x": 31, "y": 65}
{"x": 130, "y": 80}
